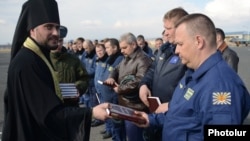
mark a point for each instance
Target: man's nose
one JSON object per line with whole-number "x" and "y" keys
{"x": 55, "y": 31}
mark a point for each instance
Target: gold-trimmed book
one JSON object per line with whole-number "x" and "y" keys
{"x": 125, "y": 113}
{"x": 68, "y": 90}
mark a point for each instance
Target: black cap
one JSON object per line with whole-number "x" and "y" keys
{"x": 33, "y": 14}
{"x": 63, "y": 31}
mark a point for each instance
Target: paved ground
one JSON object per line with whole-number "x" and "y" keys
{"x": 244, "y": 72}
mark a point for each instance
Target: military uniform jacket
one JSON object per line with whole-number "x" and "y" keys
{"x": 213, "y": 94}
{"x": 165, "y": 73}
{"x": 100, "y": 67}
{"x": 69, "y": 69}
{"x": 107, "y": 92}
{"x": 88, "y": 61}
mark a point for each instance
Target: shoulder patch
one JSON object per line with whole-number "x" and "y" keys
{"x": 174, "y": 60}
{"x": 221, "y": 98}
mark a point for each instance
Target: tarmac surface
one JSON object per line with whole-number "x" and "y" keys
{"x": 243, "y": 71}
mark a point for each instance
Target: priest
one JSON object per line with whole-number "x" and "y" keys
{"x": 33, "y": 104}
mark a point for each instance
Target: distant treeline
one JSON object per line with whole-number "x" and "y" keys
{"x": 5, "y": 46}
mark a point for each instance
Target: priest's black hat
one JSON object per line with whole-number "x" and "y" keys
{"x": 33, "y": 14}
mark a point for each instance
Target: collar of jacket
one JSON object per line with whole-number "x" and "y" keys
{"x": 58, "y": 54}
{"x": 146, "y": 48}
{"x": 113, "y": 57}
{"x": 103, "y": 59}
{"x": 91, "y": 54}
{"x": 168, "y": 46}
{"x": 80, "y": 51}
{"x": 222, "y": 47}
{"x": 133, "y": 55}
{"x": 165, "y": 46}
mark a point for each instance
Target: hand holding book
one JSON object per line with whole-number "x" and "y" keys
{"x": 125, "y": 113}
{"x": 104, "y": 83}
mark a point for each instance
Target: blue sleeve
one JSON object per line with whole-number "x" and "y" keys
{"x": 233, "y": 109}
{"x": 151, "y": 54}
{"x": 117, "y": 61}
{"x": 92, "y": 67}
{"x": 156, "y": 120}
{"x": 89, "y": 64}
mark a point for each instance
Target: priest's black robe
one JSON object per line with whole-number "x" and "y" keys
{"x": 33, "y": 111}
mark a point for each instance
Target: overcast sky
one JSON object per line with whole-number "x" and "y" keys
{"x": 98, "y": 19}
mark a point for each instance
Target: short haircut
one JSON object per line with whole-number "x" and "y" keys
{"x": 220, "y": 32}
{"x": 129, "y": 38}
{"x": 159, "y": 39}
{"x": 100, "y": 46}
{"x": 103, "y": 41}
{"x": 80, "y": 39}
{"x": 89, "y": 43}
{"x": 175, "y": 14}
{"x": 199, "y": 24}
{"x": 113, "y": 42}
{"x": 140, "y": 37}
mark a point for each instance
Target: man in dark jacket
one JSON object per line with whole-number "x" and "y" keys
{"x": 229, "y": 55}
{"x": 109, "y": 95}
{"x": 33, "y": 104}
{"x": 127, "y": 77}
{"x": 89, "y": 59}
{"x": 143, "y": 44}
{"x": 164, "y": 75}
{"x": 101, "y": 59}
{"x": 69, "y": 69}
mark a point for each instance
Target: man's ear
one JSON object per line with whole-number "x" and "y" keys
{"x": 199, "y": 41}
{"x": 134, "y": 44}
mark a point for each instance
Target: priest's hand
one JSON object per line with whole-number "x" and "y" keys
{"x": 99, "y": 111}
